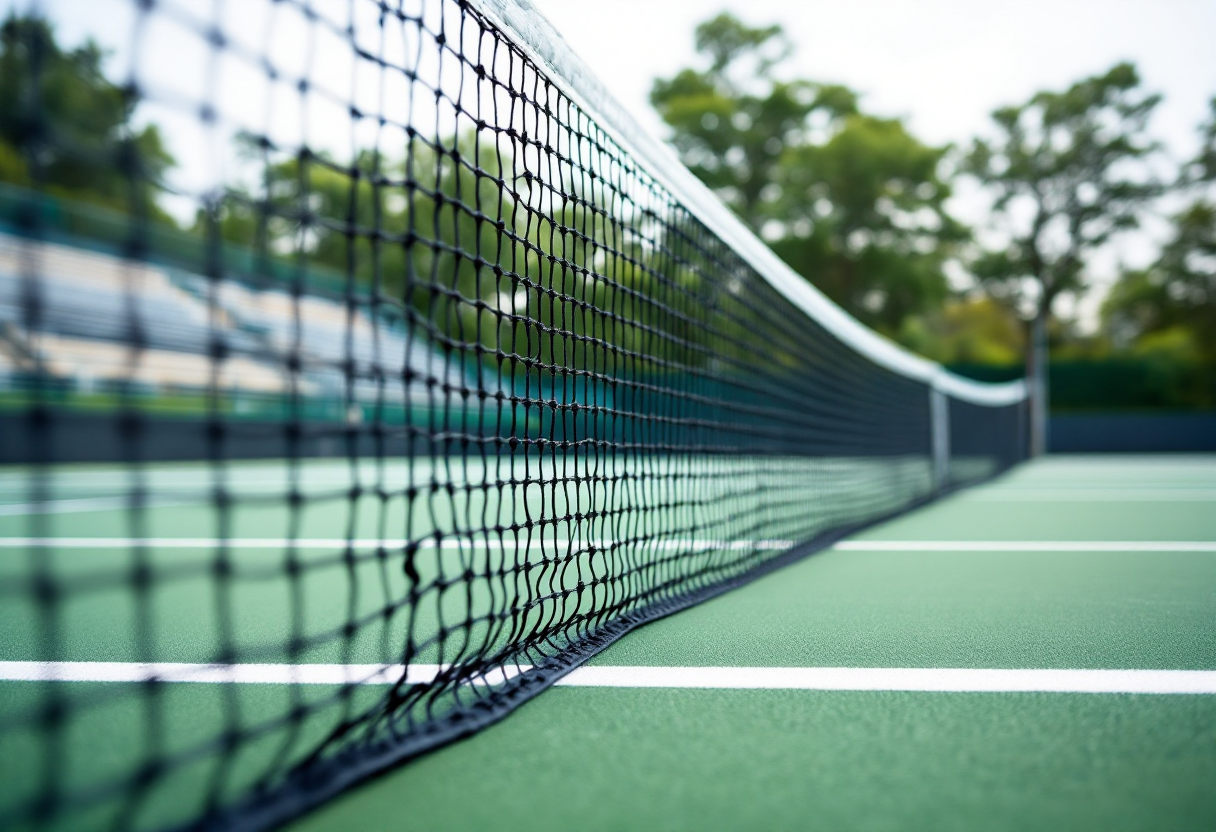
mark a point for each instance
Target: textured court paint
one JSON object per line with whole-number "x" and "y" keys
{"x": 985, "y": 513}
{"x": 110, "y": 736}
{"x": 600, "y": 759}
{"x": 730, "y": 759}
{"x": 951, "y": 609}
{"x": 960, "y": 518}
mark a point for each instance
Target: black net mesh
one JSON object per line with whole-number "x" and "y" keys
{"x": 354, "y": 385}
{"x": 984, "y": 439}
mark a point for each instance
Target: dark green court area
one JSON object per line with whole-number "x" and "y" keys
{"x": 696, "y": 759}
{"x": 1063, "y": 564}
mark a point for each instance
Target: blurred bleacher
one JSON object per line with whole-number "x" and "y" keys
{"x": 101, "y": 324}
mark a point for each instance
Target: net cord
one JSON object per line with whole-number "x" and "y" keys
{"x": 540, "y": 42}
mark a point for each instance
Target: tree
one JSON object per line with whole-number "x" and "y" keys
{"x": 853, "y": 202}
{"x": 1066, "y": 174}
{"x": 1171, "y": 306}
{"x": 66, "y": 128}
{"x": 408, "y": 244}
{"x": 456, "y": 234}
{"x": 863, "y": 216}
{"x": 969, "y": 330}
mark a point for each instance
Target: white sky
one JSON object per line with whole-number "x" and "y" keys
{"x": 943, "y": 65}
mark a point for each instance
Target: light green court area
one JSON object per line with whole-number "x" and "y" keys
{"x": 696, "y": 759}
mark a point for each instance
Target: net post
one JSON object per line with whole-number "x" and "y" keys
{"x": 939, "y": 435}
{"x": 1039, "y": 392}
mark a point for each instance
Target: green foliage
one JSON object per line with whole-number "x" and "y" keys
{"x": 69, "y": 130}
{"x": 1202, "y": 169}
{"x": 853, "y": 202}
{"x": 1128, "y": 383}
{"x": 13, "y": 169}
{"x": 458, "y": 236}
{"x": 864, "y": 217}
{"x": 1139, "y": 383}
{"x": 1066, "y": 175}
{"x": 969, "y": 330}
{"x": 394, "y": 226}
{"x": 1171, "y": 306}
{"x": 462, "y": 239}
{"x": 733, "y": 122}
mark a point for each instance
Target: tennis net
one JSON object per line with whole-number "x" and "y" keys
{"x": 363, "y": 370}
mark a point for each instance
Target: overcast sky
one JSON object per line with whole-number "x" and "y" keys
{"x": 943, "y": 65}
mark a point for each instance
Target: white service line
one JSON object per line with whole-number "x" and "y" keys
{"x": 254, "y": 674}
{"x": 935, "y": 679}
{"x": 452, "y": 542}
{"x": 1026, "y": 546}
{"x": 1096, "y": 495}
{"x": 447, "y": 542}
{"x": 940, "y": 680}
{"x": 84, "y": 504}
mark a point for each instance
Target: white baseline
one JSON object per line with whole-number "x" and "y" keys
{"x": 933, "y": 679}
{"x": 1091, "y": 495}
{"x": 1026, "y": 546}
{"x": 446, "y": 541}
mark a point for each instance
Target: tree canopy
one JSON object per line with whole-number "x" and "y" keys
{"x": 1066, "y": 174}
{"x": 1171, "y": 306}
{"x": 853, "y": 202}
{"x": 67, "y": 128}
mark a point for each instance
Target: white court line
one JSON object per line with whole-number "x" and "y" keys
{"x": 83, "y": 504}
{"x": 1096, "y": 495}
{"x": 448, "y": 542}
{"x": 942, "y": 680}
{"x": 338, "y": 543}
{"x": 952, "y": 680}
{"x": 1026, "y": 546}
{"x": 255, "y": 674}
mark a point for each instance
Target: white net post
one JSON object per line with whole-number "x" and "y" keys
{"x": 939, "y": 435}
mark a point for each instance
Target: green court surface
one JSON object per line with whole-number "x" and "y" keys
{"x": 619, "y": 758}
{"x": 1066, "y": 564}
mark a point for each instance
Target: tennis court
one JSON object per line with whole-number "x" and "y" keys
{"x": 1090, "y": 563}
{"x": 393, "y": 435}
{"x": 844, "y": 691}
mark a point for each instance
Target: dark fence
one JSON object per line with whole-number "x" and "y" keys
{"x": 1132, "y": 432}
{"x": 1124, "y": 405}
{"x": 1114, "y": 384}
{"x": 58, "y": 436}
